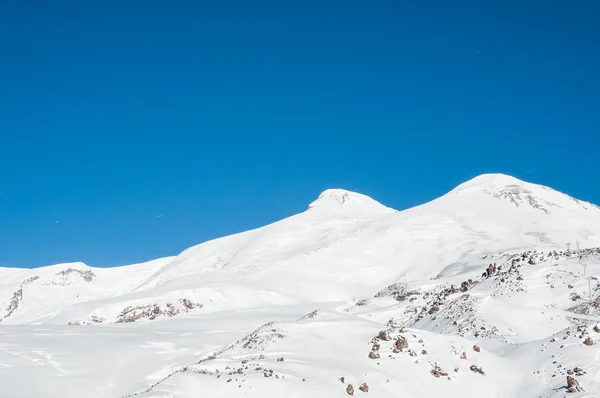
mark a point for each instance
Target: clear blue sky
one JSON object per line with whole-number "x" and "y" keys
{"x": 132, "y": 130}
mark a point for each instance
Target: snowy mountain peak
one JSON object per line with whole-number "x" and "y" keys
{"x": 339, "y": 196}
{"x": 493, "y": 181}
{"x": 331, "y": 199}
{"x": 521, "y": 194}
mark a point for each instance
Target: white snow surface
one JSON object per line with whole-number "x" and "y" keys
{"x": 293, "y": 307}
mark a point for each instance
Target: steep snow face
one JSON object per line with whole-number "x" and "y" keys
{"x": 294, "y": 306}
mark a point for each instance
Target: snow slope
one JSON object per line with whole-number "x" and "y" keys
{"x": 306, "y": 296}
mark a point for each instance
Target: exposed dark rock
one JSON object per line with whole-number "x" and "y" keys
{"x": 350, "y": 389}
{"x": 438, "y": 371}
{"x": 573, "y": 385}
{"x": 401, "y": 343}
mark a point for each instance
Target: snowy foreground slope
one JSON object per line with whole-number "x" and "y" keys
{"x": 348, "y": 297}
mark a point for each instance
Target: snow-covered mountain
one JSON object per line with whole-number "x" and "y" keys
{"x": 295, "y": 307}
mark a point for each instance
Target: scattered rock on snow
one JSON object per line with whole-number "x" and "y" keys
{"x": 573, "y": 385}
{"x": 401, "y": 343}
{"x": 350, "y": 389}
{"x": 438, "y": 371}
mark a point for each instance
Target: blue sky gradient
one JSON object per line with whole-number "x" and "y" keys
{"x": 133, "y": 130}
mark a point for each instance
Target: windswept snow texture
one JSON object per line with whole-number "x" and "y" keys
{"x": 349, "y": 297}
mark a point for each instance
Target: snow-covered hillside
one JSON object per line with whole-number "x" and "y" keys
{"x": 348, "y": 297}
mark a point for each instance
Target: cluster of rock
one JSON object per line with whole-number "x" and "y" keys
{"x": 531, "y": 257}
{"x": 509, "y": 282}
{"x": 400, "y": 342}
{"x": 17, "y": 297}
{"x": 310, "y": 315}
{"x": 87, "y": 275}
{"x": 262, "y": 337}
{"x": 586, "y": 307}
{"x": 466, "y": 285}
{"x": 94, "y": 319}
{"x": 398, "y": 291}
{"x": 259, "y": 339}
{"x": 580, "y": 333}
{"x": 438, "y": 372}
{"x": 363, "y": 387}
{"x": 14, "y": 302}
{"x": 491, "y": 270}
{"x": 460, "y": 317}
{"x": 153, "y": 311}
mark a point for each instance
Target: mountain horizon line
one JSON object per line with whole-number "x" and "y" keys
{"x": 335, "y": 199}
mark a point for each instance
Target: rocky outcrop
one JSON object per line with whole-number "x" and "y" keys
{"x": 17, "y": 297}
{"x": 14, "y": 302}
{"x": 259, "y": 339}
{"x": 310, "y": 315}
{"x": 401, "y": 343}
{"x": 573, "y": 385}
{"x": 93, "y": 320}
{"x": 398, "y": 291}
{"x": 477, "y": 369}
{"x": 87, "y": 275}
{"x": 153, "y": 311}
{"x": 438, "y": 372}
